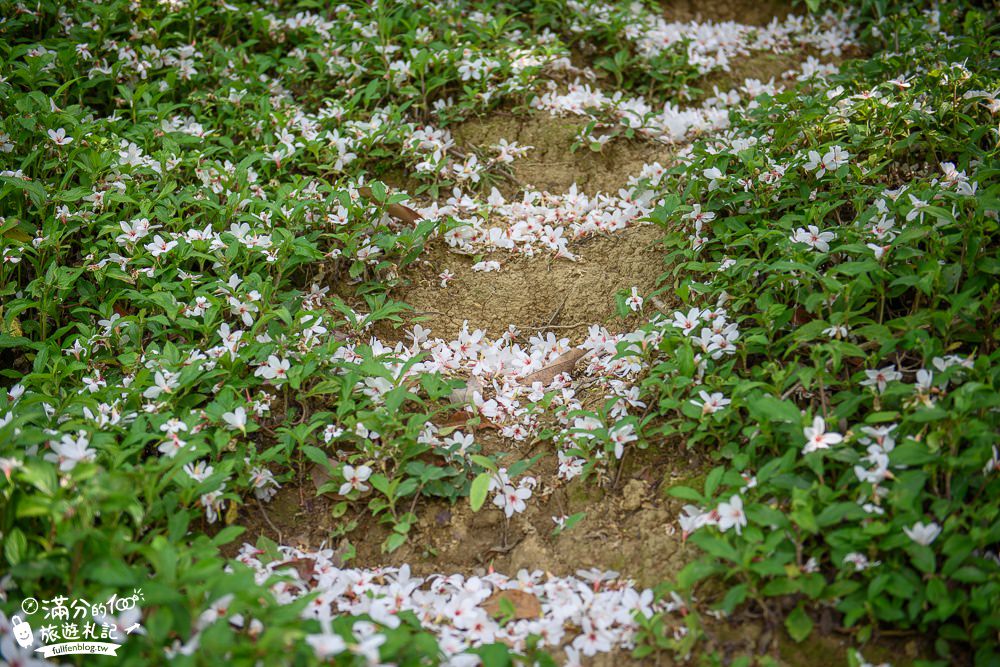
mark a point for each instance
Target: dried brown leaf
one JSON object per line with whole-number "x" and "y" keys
{"x": 458, "y": 418}
{"x": 304, "y": 566}
{"x": 397, "y": 211}
{"x": 563, "y": 364}
{"x": 526, "y": 605}
{"x": 17, "y": 234}
{"x": 320, "y": 475}
{"x": 461, "y": 419}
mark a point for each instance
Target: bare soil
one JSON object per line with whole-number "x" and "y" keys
{"x": 634, "y": 524}
{"x": 536, "y": 294}
{"x": 749, "y": 12}
{"x": 551, "y": 165}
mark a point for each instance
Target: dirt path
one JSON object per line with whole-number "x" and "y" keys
{"x": 628, "y": 523}
{"x": 633, "y": 521}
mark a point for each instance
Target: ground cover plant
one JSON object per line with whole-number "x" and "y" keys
{"x": 251, "y": 258}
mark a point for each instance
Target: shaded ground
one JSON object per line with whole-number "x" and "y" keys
{"x": 551, "y": 165}
{"x": 541, "y": 293}
{"x": 761, "y": 66}
{"x": 544, "y": 292}
{"x": 634, "y": 524}
{"x": 749, "y": 12}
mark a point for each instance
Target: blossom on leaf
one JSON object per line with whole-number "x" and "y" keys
{"x": 731, "y": 515}
{"x": 59, "y": 137}
{"x": 275, "y": 369}
{"x": 817, "y": 436}
{"x": 923, "y": 534}
{"x": 354, "y": 479}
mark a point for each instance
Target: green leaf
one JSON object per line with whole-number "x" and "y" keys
{"x": 923, "y": 558}
{"x": 227, "y": 535}
{"x": 911, "y": 453}
{"x": 484, "y": 462}
{"x": 477, "y": 492}
{"x": 381, "y": 484}
{"x": 713, "y": 480}
{"x": 803, "y": 518}
{"x": 570, "y": 521}
{"x": 798, "y": 624}
{"x": 317, "y": 456}
{"x": 494, "y": 655}
{"x": 685, "y": 493}
{"x": 378, "y": 190}
{"x": 715, "y": 546}
{"x": 15, "y": 547}
{"x": 734, "y": 597}
{"x": 521, "y": 466}
{"x": 781, "y": 586}
{"x": 696, "y": 571}
{"x": 393, "y": 542}
{"x": 769, "y": 408}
